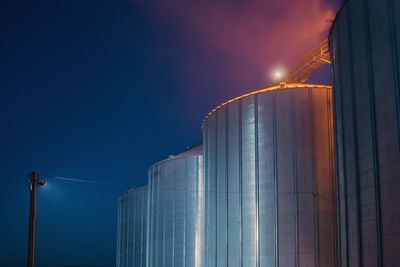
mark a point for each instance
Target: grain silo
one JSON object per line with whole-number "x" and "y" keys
{"x": 176, "y": 205}
{"x": 132, "y": 228}
{"x": 364, "y": 43}
{"x": 269, "y": 178}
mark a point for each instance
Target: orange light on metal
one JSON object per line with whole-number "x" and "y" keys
{"x": 281, "y": 86}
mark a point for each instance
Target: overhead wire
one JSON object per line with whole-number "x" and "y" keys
{"x": 176, "y": 190}
{"x": 81, "y": 180}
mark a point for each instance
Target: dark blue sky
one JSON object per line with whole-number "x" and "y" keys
{"x": 101, "y": 90}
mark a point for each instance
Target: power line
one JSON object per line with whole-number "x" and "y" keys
{"x": 169, "y": 189}
{"x": 82, "y": 181}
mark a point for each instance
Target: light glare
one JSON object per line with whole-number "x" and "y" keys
{"x": 278, "y": 75}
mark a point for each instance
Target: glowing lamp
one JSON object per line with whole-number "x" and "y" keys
{"x": 278, "y": 75}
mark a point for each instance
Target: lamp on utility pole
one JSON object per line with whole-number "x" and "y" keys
{"x": 33, "y": 183}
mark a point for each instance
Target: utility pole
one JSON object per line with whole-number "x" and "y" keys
{"x": 33, "y": 183}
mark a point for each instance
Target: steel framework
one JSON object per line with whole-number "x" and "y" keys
{"x": 302, "y": 69}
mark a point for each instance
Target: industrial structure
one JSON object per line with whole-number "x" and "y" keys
{"x": 301, "y": 70}
{"x": 132, "y": 227}
{"x": 263, "y": 195}
{"x": 176, "y": 208}
{"x": 270, "y": 179}
{"x": 291, "y": 175}
{"x": 365, "y": 53}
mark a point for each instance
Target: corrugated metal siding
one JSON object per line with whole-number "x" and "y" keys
{"x": 270, "y": 182}
{"x": 132, "y": 228}
{"x": 365, "y": 53}
{"x": 176, "y": 224}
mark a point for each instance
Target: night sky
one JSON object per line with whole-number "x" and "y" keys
{"x": 100, "y": 90}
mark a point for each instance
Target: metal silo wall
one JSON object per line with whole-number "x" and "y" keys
{"x": 119, "y": 232}
{"x": 131, "y": 231}
{"x": 269, "y": 178}
{"x": 365, "y": 53}
{"x": 176, "y": 212}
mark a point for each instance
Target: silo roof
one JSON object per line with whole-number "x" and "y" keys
{"x": 191, "y": 152}
{"x": 281, "y": 86}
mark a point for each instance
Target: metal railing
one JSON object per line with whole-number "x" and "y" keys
{"x": 302, "y": 69}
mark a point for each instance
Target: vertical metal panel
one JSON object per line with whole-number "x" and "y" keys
{"x": 200, "y": 218}
{"x": 150, "y": 214}
{"x": 340, "y": 234}
{"x": 137, "y": 241}
{"x": 221, "y": 203}
{"x": 177, "y": 210}
{"x": 266, "y": 174}
{"x": 248, "y": 183}
{"x": 124, "y": 245}
{"x": 191, "y": 212}
{"x": 140, "y": 220}
{"x": 233, "y": 166}
{"x": 295, "y": 185}
{"x": 275, "y": 177}
{"x": 285, "y": 180}
{"x": 212, "y": 191}
{"x": 324, "y": 177}
{"x": 240, "y": 182}
{"x": 140, "y": 230}
{"x": 364, "y": 38}
{"x": 353, "y": 147}
{"x": 257, "y": 180}
{"x": 394, "y": 28}
{"x": 370, "y": 56}
{"x": 205, "y": 258}
{"x": 132, "y": 221}
{"x": 130, "y": 229}
{"x": 271, "y": 151}
{"x": 157, "y": 246}
{"x": 304, "y": 138}
{"x": 118, "y": 253}
{"x": 167, "y": 189}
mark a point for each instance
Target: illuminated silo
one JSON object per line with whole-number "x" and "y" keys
{"x": 176, "y": 205}
{"x": 364, "y": 43}
{"x": 132, "y": 228}
{"x": 269, "y": 178}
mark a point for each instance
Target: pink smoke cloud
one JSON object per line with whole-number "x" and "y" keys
{"x": 230, "y": 47}
{"x": 255, "y": 33}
